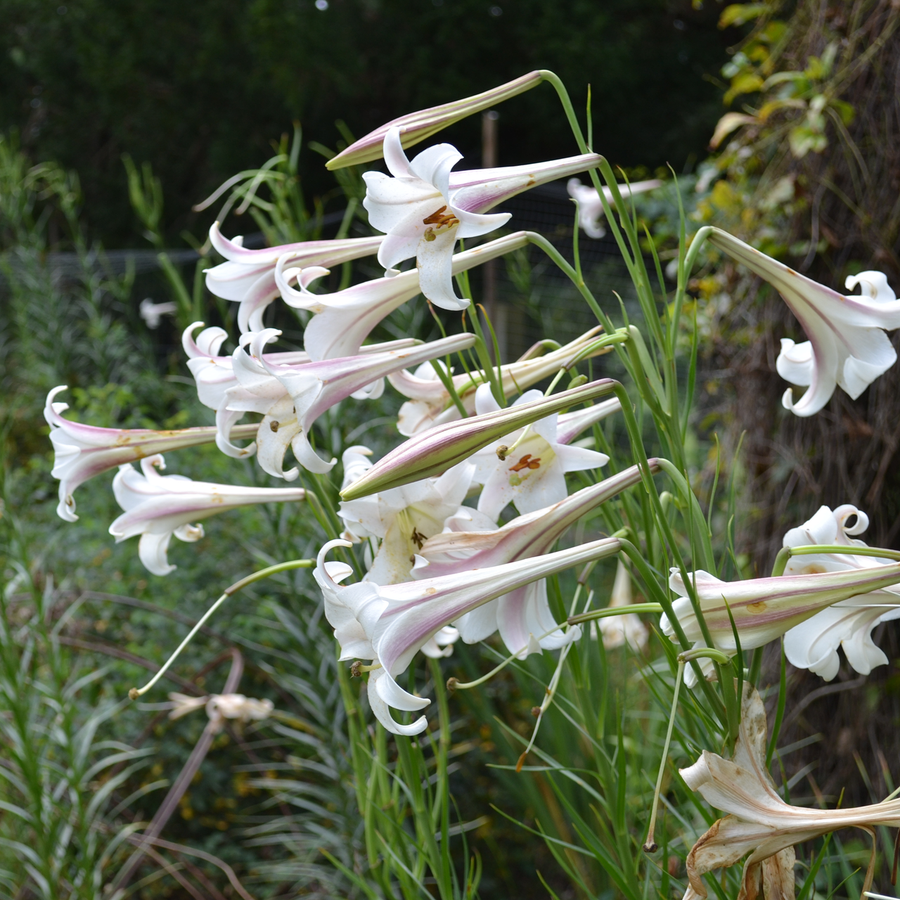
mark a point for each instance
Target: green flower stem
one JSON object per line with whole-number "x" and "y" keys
{"x": 364, "y": 766}
{"x": 134, "y": 693}
{"x": 696, "y": 519}
{"x": 441, "y": 805}
{"x": 608, "y": 612}
{"x": 779, "y": 709}
{"x": 649, "y": 578}
{"x": 540, "y": 241}
{"x": 650, "y": 845}
{"x": 553, "y": 79}
{"x": 811, "y": 549}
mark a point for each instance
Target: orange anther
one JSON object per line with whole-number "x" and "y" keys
{"x": 526, "y": 462}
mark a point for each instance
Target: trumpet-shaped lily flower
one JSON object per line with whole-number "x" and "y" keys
{"x": 471, "y": 541}
{"x": 220, "y": 707}
{"x": 389, "y": 623}
{"x": 591, "y": 214}
{"x": 152, "y": 313}
{"x": 423, "y": 208}
{"x": 765, "y": 608}
{"x": 248, "y": 276}
{"x": 311, "y": 388}
{"x": 234, "y": 385}
{"x": 430, "y": 403}
{"x": 402, "y": 518}
{"x": 158, "y": 506}
{"x": 813, "y": 644}
{"x": 437, "y": 449}
{"x": 533, "y": 475}
{"x": 846, "y": 346}
{"x": 616, "y": 631}
{"x": 758, "y": 821}
{"x": 83, "y": 451}
{"x": 343, "y": 320}
{"x": 214, "y": 374}
{"x": 418, "y": 126}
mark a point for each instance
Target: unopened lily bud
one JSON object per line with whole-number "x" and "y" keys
{"x": 436, "y": 450}
{"x": 417, "y": 126}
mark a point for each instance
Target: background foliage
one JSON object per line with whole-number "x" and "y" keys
{"x": 199, "y": 90}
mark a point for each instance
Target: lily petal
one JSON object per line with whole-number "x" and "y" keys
{"x": 158, "y": 506}
{"x": 399, "y": 618}
{"x": 436, "y": 450}
{"x": 83, "y": 451}
{"x": 847, "y": 346}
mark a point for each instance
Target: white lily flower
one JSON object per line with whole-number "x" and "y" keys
{"x": 152, "y": 313}
{"x": 403, "y": 518}
{"x": 248, "y": 276}
{"x": 437, "y": 449}
{"x": 814, "y": 643}
{"x": 221, "y": 389}
{"x": 533, "y": 475}
{"x": 758, "y": 821}
{"x": 591, "y": 214}
{"x": 430, "y": 403}
{"x": 344, "y": 319}
{"x": 846, "y": 345}
{"x": 214, "y": 374}
{"x": 158, "y": 506}
{"x": 471, "y": 541}
{"x": 83, "y": 451}
{"x": 616, "y": 631}
{"x": 763, "y": 609}
{"x": 389, "y": 623}
{"x": 220, "y": 707}
{"x": 300, "y": 393}
{"x": 423, "y": 208}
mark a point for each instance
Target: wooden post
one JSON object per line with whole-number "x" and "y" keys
{"x": 496, "y": 311}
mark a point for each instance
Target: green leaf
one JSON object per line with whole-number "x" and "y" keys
{"x": 802, "y": 139}
{"x": 741, "y": 13}
{"x": 745, "y": 83}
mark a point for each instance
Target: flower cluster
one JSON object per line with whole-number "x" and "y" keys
{"x": 504, "y": 476}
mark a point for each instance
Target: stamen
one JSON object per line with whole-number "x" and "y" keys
{"x": 526, "y": 462}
